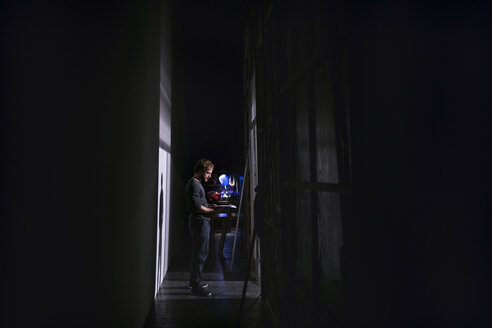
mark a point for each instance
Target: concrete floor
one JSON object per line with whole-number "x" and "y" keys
{"x": 175, "y": 306}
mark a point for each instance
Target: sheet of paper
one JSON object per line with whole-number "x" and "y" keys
{"x": 229, "y": 205}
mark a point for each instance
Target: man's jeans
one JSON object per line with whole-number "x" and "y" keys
{"x": 200, "y": 233}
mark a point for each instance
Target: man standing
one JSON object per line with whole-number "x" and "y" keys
{"x": 198, "y": 223}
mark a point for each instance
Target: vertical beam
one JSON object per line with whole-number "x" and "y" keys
{"x": 316, "y": 262}
{"x": 239, "y": 212}
{"x": 286, "y": 131}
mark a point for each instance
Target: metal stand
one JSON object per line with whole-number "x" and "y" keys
{"x": 239, "y": 213}
{"x": 245, "y": 286}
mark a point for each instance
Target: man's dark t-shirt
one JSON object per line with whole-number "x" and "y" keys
{"x": 195, "y": 196}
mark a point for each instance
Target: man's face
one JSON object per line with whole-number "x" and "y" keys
{"x": 207, "y": 174}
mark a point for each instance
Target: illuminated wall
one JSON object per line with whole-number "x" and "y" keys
{"x": 162, "y": 237}
{"x": 162, "y": 244}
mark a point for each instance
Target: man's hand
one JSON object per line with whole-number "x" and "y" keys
{"x": 216, "y": 208}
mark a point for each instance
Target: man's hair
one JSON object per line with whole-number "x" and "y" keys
{"x": 202, "y": 165}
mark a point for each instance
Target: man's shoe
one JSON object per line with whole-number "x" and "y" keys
{"x": 201, "y": 292}
{"x": 205, "y": 285}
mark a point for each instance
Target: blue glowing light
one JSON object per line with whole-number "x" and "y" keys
{"x": 224, "y": 180}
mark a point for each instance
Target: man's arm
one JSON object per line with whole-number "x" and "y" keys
{"x": 206, "y": 209}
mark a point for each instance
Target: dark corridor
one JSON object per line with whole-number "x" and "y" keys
{"x": 363, "y": 127}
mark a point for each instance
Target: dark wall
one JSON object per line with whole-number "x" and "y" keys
{"x": 79, "y": 148}
{"x": 411, "y": 80}
{"x": 419, "y": 109}
{"x": 294, "y": 50}
{"x": 180, "y": 135}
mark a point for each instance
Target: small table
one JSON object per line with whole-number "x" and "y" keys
{"x": 226, "y": 216}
